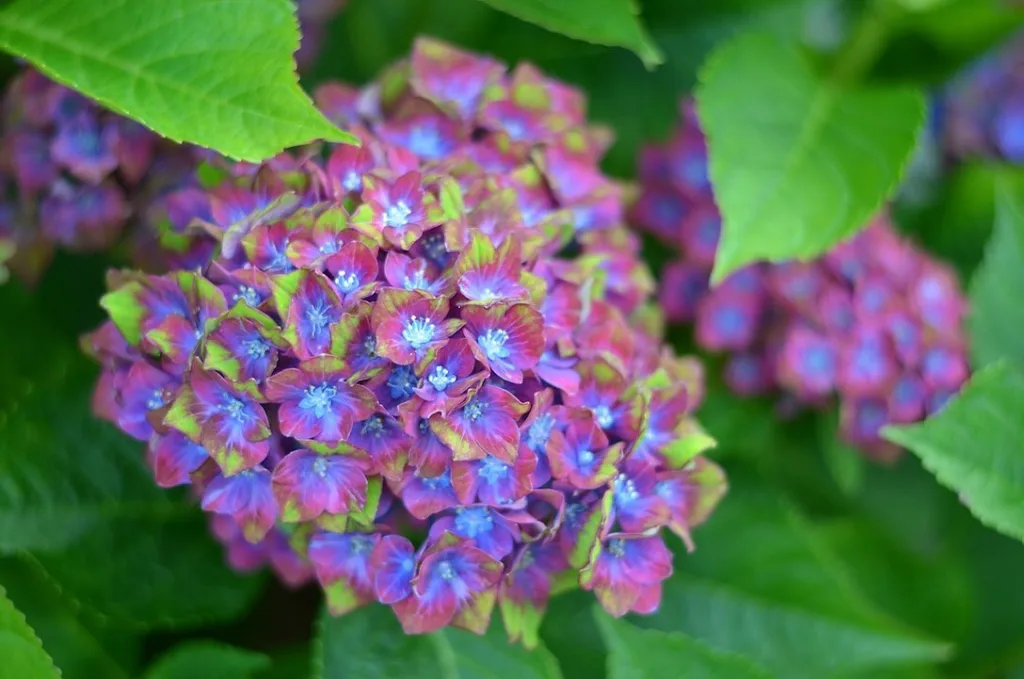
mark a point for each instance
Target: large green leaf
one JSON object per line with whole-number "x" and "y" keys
{"x": 62, "y": 471}
{"x": 570, "y": 631}
{"x": 975, "y": 445}
{"x": 216, "y": 73}
{"x": 166, "y": 574}
{"x": 468, "y": 656}
{"x": 931, "y": 591}
{"x": 69, "y": 482}
{"x": 762, "y": 585}
{"x": 20, "y": 649}
{"x": 636, "y": 653}
{"x": 83, "y": 645}
{"x": 997, "y": 315}
{"x": 798, "y": 163}
{"x": 604, "y": 22}
{"x": 369, "y": 642}
{"x": 194, "y": 659}
{"x": 995, "y": 638}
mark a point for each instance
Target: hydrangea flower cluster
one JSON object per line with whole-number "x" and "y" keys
{"x": 984, "y": 107}
{"x": 876, "y": 321}
{"x": 71, "y": 173}
{"x": 426, "y": 379}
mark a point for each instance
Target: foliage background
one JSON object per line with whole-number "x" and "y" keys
{"x": 816, "y": 565}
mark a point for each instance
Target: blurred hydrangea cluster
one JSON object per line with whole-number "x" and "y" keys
{"x": 876, "y": 321}
{"x": 422, "y": 370}
{"x": 73, "y": 174}
{"x": 984, "y": 107}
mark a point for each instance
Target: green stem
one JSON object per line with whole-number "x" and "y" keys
{"x": 864, "y": 46}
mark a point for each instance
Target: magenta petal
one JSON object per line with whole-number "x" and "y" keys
{"x": 646, "y": 561}
{"x": 247, "y": 497}
{"x": 173, "y": 458}
{"x": 307, "y": 485}
{"x": 425, "y": 496}
{"x": 393, "y": 562}
{"x": 337, "y": 556}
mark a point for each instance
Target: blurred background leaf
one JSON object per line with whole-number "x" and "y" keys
{"x": 763, "y": 585}
{"x": 602, "y": 22}
{"x": 637, "y": 653}
{"x": 207, "y": 659}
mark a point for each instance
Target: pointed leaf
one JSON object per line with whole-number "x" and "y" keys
{"x": 80, "y": 643}
{"x": 636, "y": 653}
{"x": 997, "y": 316}
{"x": 20, "y": 648}
{"x": 798, "y": 163}
{"x": 973, "y": 446}
{"x": 465, "y": 655}
{"x": 369, "y": 642}
{"x": 602, "y": 22}
{"x": 219, "y": 74}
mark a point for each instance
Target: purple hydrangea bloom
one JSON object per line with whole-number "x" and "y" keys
{"x": 983, "y": 107}
{"x": 74, "y": 175}
{"x": 395, "y": 361}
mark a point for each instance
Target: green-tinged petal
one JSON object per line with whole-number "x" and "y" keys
{"x": 126, "y": 310}
{"x": 522, "y": 622}
{"x": 363, "y": 221}
{"x": 475, "y": 616}
{"x": 283, "y": 288}
{"x": 365, "y": 515}
{"x": 183, "y": 414}
{"x": 691, "y": 440}
{"x": 450, "y": 195}
{"x": 588, "y": 544}
{"x": 712, "y": 486}
{"x": 332, "y": 523}
{"x": 461, "y": 448}
{"x": 341, "y": 598}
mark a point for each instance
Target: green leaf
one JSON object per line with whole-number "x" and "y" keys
{"x": 571, "y": 633}
{"x": 637, "y": 653}
{"x": 995, "y": 637}
{"x": 467, "y": 656}
{"x": 974, "y": 446}
{"x": 82, "y": 645}
{"x": 763, "y": 586}
{"x": 167, "y": 574}
{"x": 194, "y": 659}
{"x": 997, "y": 315}
{"x": 72, "y": 483}
{"x": 62, "y": 470}
{"x": 369, "y": 642}
{"x": 931, "y": 591}
{"x": 215, "y": 73}
{"x": 845, "y": 463}
{"x": 798, "y": 163}
{"x": 22, "y": 652}
{"x": 602, "y": 22}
